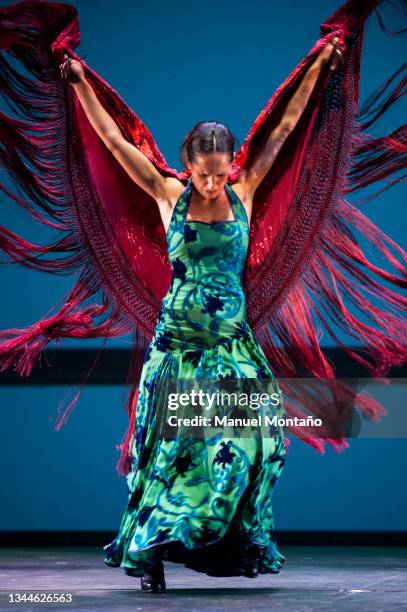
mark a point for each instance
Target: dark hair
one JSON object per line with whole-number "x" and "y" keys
{"x": 207, "y": 137}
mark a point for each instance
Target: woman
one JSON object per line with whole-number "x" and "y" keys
{"x": 206, "y": 504}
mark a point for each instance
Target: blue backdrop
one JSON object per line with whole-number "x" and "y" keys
{"x": 177, "y": 64}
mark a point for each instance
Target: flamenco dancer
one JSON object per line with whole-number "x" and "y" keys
{"x": 206, "y": 504}
{"x": 178, "y": 492}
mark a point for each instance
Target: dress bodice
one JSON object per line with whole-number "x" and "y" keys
{"x": 198, "y": 248}
{"x": 205, "y": 302}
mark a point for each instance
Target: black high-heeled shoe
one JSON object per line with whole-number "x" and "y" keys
{"x": 249, "y": 571}
{"x": 153, "y": 580}
{"x": 248, "y": 564}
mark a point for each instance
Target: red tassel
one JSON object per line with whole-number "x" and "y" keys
{"x": 375, "y": 158}
{"x": 123, "y": 465}
{"x": 139, "y": 348}
{"x": 61, "y": 420}
{"x": 21, "y": 348}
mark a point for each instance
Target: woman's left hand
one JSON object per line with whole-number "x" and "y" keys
{"x": 332, "y": 54}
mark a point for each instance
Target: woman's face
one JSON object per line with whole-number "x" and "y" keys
{"x": 209, "y": 173}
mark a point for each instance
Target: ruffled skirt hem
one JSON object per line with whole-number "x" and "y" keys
{"x": 224, "y": 558}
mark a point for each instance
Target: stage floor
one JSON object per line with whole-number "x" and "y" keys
{"x": 362, "y": 579}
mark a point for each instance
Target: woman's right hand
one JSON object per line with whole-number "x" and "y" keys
{"x": 331, "y": 53}
{"x": 71, "y": 70}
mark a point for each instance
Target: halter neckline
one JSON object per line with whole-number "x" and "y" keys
{"x": 223, "y": 222}
{"x": 178, "y": 217}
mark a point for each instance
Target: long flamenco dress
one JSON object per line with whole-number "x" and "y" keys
{"x": 205, "y": 503}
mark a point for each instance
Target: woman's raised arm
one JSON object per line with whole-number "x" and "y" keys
{"x": 136, "y": 164}
{"x": 265, "y": 159}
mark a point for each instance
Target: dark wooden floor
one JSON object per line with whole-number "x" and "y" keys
{"x": 363, "y": 579}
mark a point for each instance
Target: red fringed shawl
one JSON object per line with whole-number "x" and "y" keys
{"x": 304, "y": 261}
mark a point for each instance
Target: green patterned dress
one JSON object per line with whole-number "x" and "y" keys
{"x": 205, "y": 503}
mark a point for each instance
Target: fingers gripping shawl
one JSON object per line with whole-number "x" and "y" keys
{"x": 303, "y": 259}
